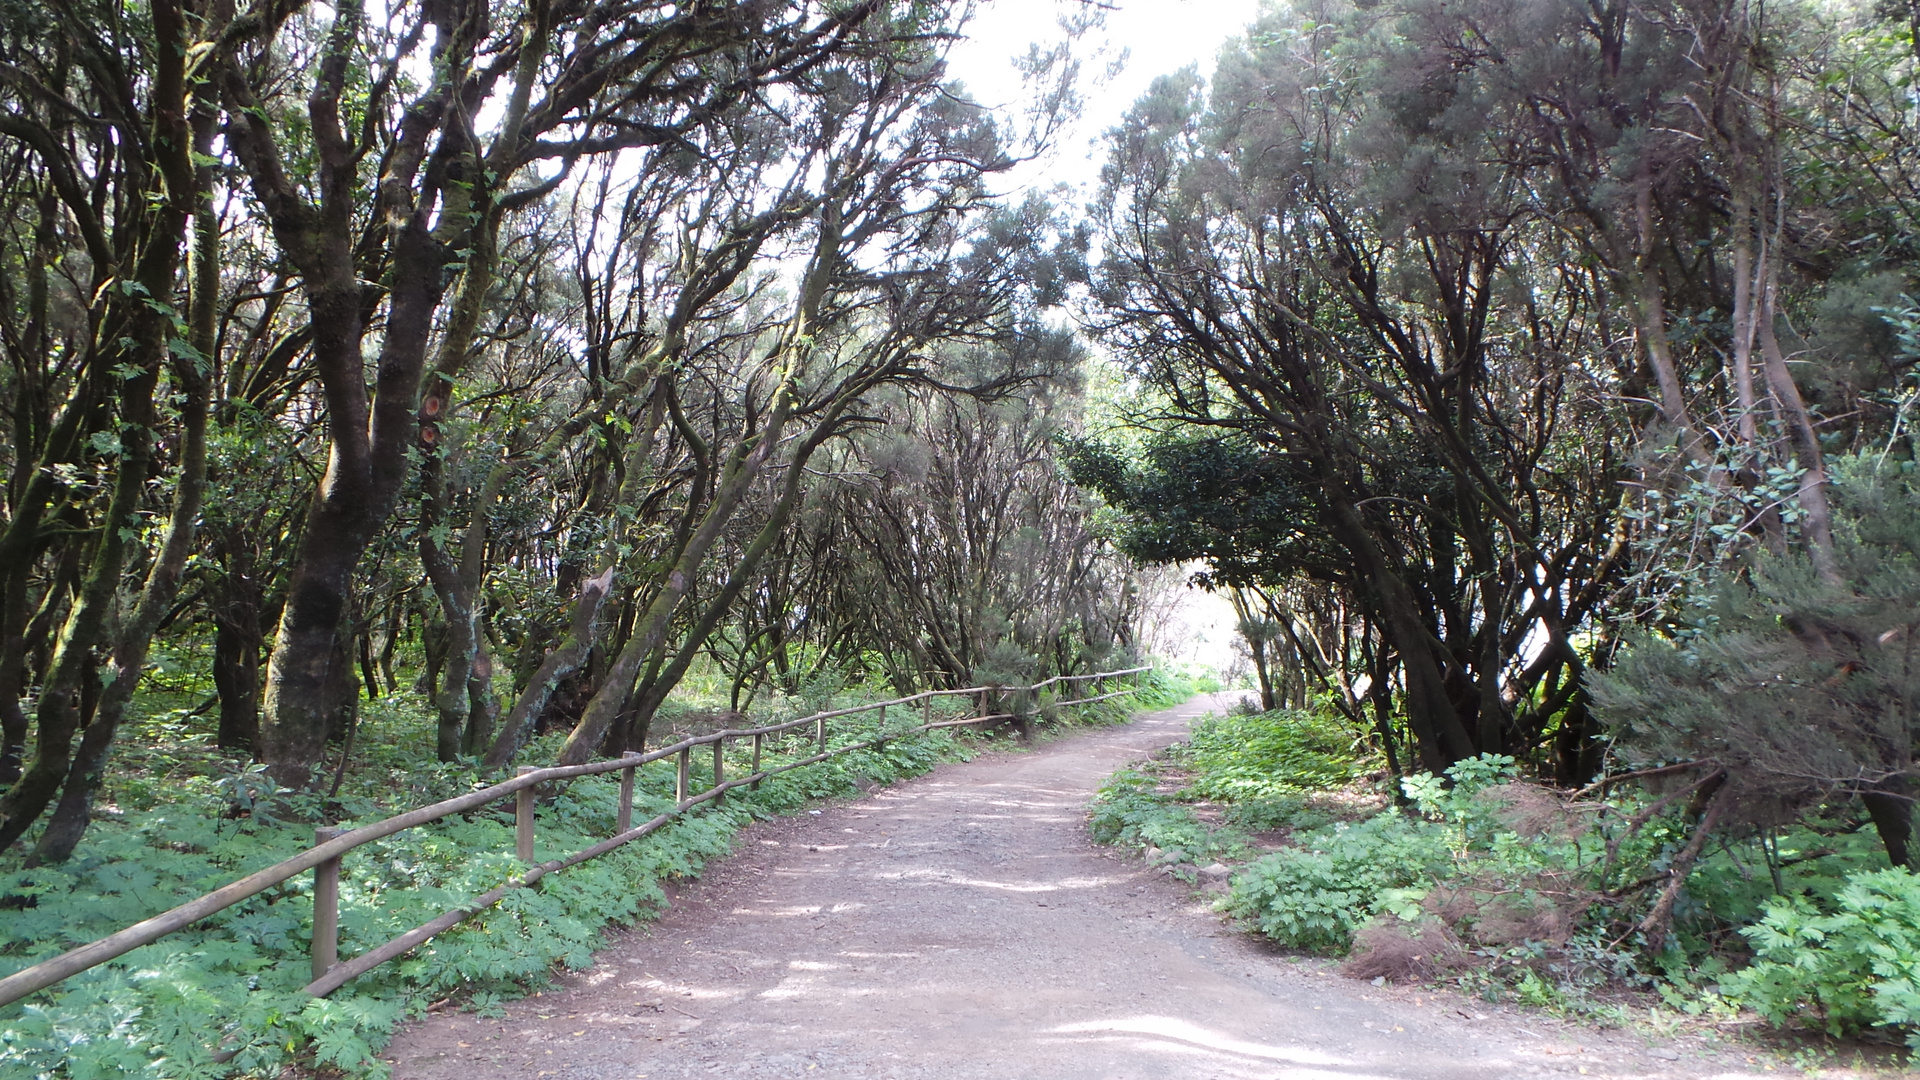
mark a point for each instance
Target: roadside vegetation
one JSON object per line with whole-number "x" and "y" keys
{"x": 1539, "y": 382}
{"x": 391, "y": 397}
{"x": 225, "y": 996}
{"x": 1509, "y": 889}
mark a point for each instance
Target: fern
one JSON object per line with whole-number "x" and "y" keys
{"x": 233, "y": 983}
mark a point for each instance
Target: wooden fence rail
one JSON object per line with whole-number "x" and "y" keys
{"x": 329, "y": 973}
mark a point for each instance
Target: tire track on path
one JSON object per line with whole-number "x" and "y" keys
{"x": 962, "y": 925}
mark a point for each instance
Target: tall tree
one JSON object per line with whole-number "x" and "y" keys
{"x": 124, "y": 186}
{"x": 1332, "y": 276}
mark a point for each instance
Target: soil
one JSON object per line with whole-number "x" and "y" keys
{"x": 963, "y": 925}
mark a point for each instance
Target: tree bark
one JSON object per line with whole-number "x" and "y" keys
{"x": 1818, "y": 513}
{"x": 369, "y": 434}
{"x": 464, "y": 698}
{"x": 19, "y": 545}
{"x": 236, "y": 679}
{"x": 651, "y": 630}
{"x": 744, "y": 573}
{"x": 1440, "y": 736}
{"x": 1891, "y": 808}
{"x": 560, "y": 663}
{"x": 131, "y": 342}
{"x": 191, "y": 375}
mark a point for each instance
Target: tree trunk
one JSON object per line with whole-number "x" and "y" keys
{"x": 1806, "y": 444}
{"x": 302, "y": 686}
{"x": 560, "y": 663}
{"x": 13, "y": 670}
{"x": 369, "y": 434}
{"x": 651, "y": 629}
{"x": 19, "y": 546}
{"x": 191, "y": 373}
{"x": 58, "y": 717}
{"x": 1379, "y": 693}
{"x": 236, "y": 678}
{"x": 130, "y": 345}
{"x": 1647, "y": 301}
{"x": 1258, "y": 647}
{"x": 1891, "y": 808}
{"x": 1439, "y": 734}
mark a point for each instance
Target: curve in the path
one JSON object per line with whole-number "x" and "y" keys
{"x": 962, "y": 925}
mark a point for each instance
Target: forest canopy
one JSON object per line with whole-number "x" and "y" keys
{"x": 391, "y": 394}
{"x": 1498, "y": 360}
{"x": 522, "y": 359}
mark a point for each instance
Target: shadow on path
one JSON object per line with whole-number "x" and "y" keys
{"x": 962, "y": 925}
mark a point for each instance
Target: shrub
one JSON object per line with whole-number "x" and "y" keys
{"x": 1166, "y": 686}
{"x": 1853, "y": 968}
{"x": 1492, "y": 860}
{"x": 1316, "y": 896}
{"x": 1241, "y": 758}
{"x": 1128, "y": 810}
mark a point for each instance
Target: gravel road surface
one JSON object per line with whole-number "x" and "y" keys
{"x": 962, "y": 925}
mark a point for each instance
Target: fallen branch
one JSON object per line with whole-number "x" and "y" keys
{"x": 1639, "y": 820}
{"x": 1660, "y": 919}
{"x": 1608, "y": 781}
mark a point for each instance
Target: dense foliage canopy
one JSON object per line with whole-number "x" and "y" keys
{"x": 1517, "y": 325}
{"x": 526, "y": 357}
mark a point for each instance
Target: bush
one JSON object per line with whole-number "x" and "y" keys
{"x": 1238, "y": 758}
{"x": 1128, "y": 810}
{"x": 1165, "y": 686}
{"x": 1854, "y": 968}
{"x": 1316, "y": 896}
{"x": 1496, "y": 862}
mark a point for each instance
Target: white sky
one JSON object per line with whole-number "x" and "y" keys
{"x": 1157, "y": 37}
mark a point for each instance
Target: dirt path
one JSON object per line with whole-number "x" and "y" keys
{"x": 962, "y": 925}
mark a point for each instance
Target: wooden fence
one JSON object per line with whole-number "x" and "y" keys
{"x": 330, "y": 973}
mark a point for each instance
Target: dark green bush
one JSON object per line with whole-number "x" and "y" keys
{"x": 1315, "y": 896}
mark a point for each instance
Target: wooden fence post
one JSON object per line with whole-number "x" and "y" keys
{"x": 756, "y": 759}
{"x": 882, "y": 740}
{"x": 523, "y": 818}
{"x": 684, "y": 776}
{"x": 326, "y": 907}
{"x": 625, "y": 821}
{"x": 820, "y": 733}
{"x": 926, "y": 708}
{"x": 719, "y": 768}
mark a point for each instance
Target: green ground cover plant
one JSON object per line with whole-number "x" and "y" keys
{"x": 1255, "y": 772}
{"x": 1508, "y": 890}
{"x": 1168, "y": 685}
{"x": 1130, "y": 809}
{"x": 1849, "y": 964}
{"x": 1317, "y": 895}
{"x": 1249, "y": 758}
{"x": 224, "y": 997}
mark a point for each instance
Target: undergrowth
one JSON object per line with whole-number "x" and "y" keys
{"x": 1257, "y": 773}
{"x": 182, "y": 820}
{"x": 1168, "y": 685}
{"x": 1509, "y": 891}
